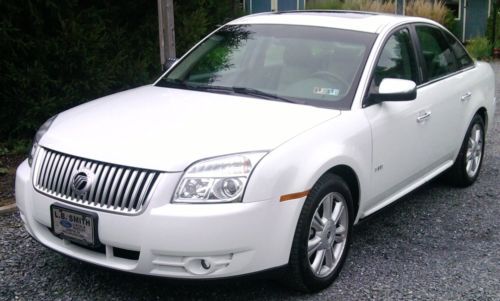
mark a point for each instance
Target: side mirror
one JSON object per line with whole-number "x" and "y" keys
{"x": 169, "y": 63}
{"x": 394, "y": 89}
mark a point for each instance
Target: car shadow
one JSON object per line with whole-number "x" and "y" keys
{"x": 388, "y": 235}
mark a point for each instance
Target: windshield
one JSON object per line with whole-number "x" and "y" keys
{"x": 300, "y": 64}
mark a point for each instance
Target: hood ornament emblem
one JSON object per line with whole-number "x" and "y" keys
{"x": 82, "y": 181}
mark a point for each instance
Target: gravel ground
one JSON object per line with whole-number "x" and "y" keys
{"x": 9, "y": 163}
{"x": 438, "y": 243}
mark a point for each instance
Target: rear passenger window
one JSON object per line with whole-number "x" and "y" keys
{"x": 463, "y": 59}
{"x": 439, "y": 58}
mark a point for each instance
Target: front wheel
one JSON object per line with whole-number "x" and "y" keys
{"x": 465, "y": 170}
{"x": 322, "y": 236}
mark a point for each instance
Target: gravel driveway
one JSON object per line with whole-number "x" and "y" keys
{"x": 438, "y": 243}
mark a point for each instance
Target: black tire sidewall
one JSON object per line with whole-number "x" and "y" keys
{"x": 463, "y": 151}
{"x": 327, "y": 184}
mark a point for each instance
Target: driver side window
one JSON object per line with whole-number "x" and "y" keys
{"x": 396, "y": 60}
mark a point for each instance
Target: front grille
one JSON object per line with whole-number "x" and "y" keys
{"x": 114, "y": 188}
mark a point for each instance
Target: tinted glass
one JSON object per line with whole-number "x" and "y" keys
{"x": 303, "y": 64}
{"x": 438, "y": 56}
{"x": 397, "y": 59}
{"x": 463, "y": 59}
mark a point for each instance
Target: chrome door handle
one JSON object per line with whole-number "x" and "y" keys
{"x": 423, "y": 116}
{"x": 466, "y": 96}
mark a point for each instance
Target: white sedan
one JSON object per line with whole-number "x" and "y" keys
{"x": 260, "y": 148}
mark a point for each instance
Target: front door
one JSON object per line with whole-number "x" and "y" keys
{"x": 398, "y": 127}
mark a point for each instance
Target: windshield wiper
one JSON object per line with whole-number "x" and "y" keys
{"x": 228, "y": 90}
{"x": 241, "y": 91}
{"x": 175, "y": 82}
{"x": 222, "y": 89}
{"x": 260, "y": 94}
{"x": 172, "y": 82}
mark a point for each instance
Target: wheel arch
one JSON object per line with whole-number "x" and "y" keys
{"x": 351, "y": 178}
{"x": 484, "y": 114}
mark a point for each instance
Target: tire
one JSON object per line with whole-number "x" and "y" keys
{"x": 467, "y": 166}
{"x": 314, "y": 271}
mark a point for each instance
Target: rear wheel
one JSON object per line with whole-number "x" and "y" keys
{"x": 465, "y": 170}
{"x": 322, "y": 236}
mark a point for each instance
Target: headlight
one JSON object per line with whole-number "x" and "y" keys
{"x": 39, "y": 134}
{"x": 217, "y": 180}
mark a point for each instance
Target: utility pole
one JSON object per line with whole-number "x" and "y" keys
{"x": 166, "y": 31}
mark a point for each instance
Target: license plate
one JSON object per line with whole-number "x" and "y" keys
{"x": 74, "y": 225}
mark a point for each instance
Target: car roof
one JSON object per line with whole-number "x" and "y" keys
{"x": 350, "y": 20}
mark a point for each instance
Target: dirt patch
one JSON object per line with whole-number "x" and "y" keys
{"x": 8, "y": 165}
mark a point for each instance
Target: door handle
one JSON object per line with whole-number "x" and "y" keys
{"x": 423, "y": 116}
{"x": 466, "y": 96}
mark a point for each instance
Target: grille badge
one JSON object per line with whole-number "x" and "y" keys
{"x": 82, "y": 181}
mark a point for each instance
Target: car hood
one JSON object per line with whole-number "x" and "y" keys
{"x": 168, "y": 129}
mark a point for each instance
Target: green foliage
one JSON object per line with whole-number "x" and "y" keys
{"x": 15, "y": 147}
{"x": 194, "y": 19}
{"x": 58, "y": 54}
{"x": 386, "y": 6}
{"x": 489, "y": 29}
{"x": 479, "y": 48}
{"x": 436, "y": 11}
{"x": 324, "y": 4}
{"x": 451, "y": 24}
{"x": 4, "y": 151}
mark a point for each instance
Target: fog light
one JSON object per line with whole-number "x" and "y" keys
{"x": 199, "y": 266}
{"x": 206, "y": 265}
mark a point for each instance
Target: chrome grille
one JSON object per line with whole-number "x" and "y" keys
{"x": 114, "y": 188}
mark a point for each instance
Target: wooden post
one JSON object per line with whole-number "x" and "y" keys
{"x": 166, "y": 31}
{"x": 400, "y": 7}
{"x": 494, "y": 26}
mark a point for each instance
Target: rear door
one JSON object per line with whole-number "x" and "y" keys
{"x": 412, "y": 139}
{"x": 444, "y": 89}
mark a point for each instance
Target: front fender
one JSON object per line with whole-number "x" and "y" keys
{"x": 296, "y": 165}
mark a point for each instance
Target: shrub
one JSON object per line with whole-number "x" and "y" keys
{"x": 368, "y": 5}
{"x": 358, "y": 5}
{"x": 58, "y": 54}
{"x": 194, "y": 19}
{"x": 489, "y": 29}
{"x": 434, "y": 10}
{"x": 324, "y": 4}
{"x": 479, "y": 48}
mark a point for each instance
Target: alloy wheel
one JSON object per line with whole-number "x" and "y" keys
{"x": 474, "y": 151}
{"x": 328, "y": 234}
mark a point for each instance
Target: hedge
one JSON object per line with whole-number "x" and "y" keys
{"x": 58, "y": 54}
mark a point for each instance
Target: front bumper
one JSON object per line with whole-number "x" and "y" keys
{"x": 174, "y": 240}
